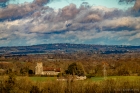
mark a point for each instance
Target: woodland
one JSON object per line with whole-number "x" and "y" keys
{"x": 16, "y": 69}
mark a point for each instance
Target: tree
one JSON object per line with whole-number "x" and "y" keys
{"x": 75, "y": 69}
{"x": 10, "y": 83}
{"x": 24, "y": 71}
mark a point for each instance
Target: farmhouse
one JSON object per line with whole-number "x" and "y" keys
{"x": 40, "y": 70}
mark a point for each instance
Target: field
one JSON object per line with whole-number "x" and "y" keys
{"x": 112, "y": 84}
{"x": 96, "y": 79}
{"x": 35, "y": 78}
{"x": 130, "y": 78}
{"x": 98, "y": 84}
{"x": 42, "y": 78}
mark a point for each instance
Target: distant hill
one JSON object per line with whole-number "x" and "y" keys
{"x": 67, "y": 48}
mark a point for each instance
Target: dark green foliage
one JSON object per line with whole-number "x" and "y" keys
{"x": 60, "y": 75}
{"x": 75, "y": 69}
{"x": 10, "y": 83}
{"x": 35, "y": 89}
{"x": 2, "y": 88}
{"x": 9, "y": 71}
{"x": 123, "y": 72}
{"x": 23, "y": 85}
{"x": 24, "y": 71}
{"x": 30, "y": 72}
{"x": 122, "y": 64}
{"x": 90, "y": 75}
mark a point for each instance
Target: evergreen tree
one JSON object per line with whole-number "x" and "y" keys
{"x": 75, "y": 69}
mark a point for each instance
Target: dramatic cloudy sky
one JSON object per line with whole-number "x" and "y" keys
{"x": 107, "y": 22}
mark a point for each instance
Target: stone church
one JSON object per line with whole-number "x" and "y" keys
{"x": 41, "y": 70}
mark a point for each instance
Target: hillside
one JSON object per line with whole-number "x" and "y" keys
{"x": 68, "y": 48}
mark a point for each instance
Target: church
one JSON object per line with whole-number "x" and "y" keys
{"x": 41, "y": 70}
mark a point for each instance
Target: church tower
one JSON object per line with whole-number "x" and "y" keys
{"x": 39, "y": 69}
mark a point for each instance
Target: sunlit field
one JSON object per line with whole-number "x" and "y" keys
{"x": 131, "y": 78}
{"x": 25, "y": 84}
{"x": 37, "y": 78}
{"x": 42, "y": 78}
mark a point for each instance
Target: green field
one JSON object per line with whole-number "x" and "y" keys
{"x": 42, "y": 78}
{"x": 131, "y": 78}
{"x": 37, "y": 78}
{"x": 112, "y": 84}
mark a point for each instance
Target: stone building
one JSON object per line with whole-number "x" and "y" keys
{"x": 41, "y": 70}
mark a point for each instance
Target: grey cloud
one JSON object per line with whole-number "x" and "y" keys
{"x": 124, "y": 23}
{"x": 41, "y": 2}
{"x": 99, "y": 18}
{"x": 69, "y": 11}
{"x": 16, "y": 32}
{"x": 14, "y": 11}
{"x": 136, "y": 6}
{"x": 95, "y": 36}
{"x": 3, "y": 3}
{"x": 127, "y": 1}
{"x": 136, "y": 36}
{"x": 35, "y": 8}
{"x": 69, "y": 22}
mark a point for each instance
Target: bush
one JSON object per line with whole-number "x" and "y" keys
{"x": 90, "y": 75}
{"x": 10, "y": 83}
{"x": 35, "y": 89}
{"x": 75, "y": 69}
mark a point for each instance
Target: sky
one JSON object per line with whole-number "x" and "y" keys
{"x": 104, "y": 22}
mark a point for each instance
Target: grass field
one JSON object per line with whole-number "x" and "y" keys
{"x": 35, "y": 78}
{"x": 131, "y": 78}
{"x": 43, "y": 78}
{"x": 112, "y": 84}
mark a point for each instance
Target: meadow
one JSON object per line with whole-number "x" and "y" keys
{"x": 130, "y": 78}
{"x": 42, "y": 79}
{"x": 120, "y": 76}
{"x": 94, "y": 79}
{"x": 112, "y": 84}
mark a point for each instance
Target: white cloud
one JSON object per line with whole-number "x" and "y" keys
{"x": 93, "y": 24}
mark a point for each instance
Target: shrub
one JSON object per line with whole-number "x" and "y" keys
{"x": 75, "y": 69}
{"x": 35, "y": 89}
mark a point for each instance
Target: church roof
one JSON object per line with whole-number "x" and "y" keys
{"x": 51, "y": 69}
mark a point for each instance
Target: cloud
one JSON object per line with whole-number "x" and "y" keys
{"x": 127, "y": 1}
{"x": 136, "y": 6}
{"x": 122, "y": 23}
{"x": 3, "y": 3}
{"x": 41, "y": 2}
{"x": 33, "y": 23}
{"x": 69, "y": 11}
{"x": 14, "y": 11}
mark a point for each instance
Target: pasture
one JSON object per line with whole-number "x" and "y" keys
{"x": 112, "y": 84}
{"x": 130, "y": 78}
{"x": 42, "y": 79}
{"x": 94, "y": 79}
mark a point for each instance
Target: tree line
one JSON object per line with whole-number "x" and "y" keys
{"x": 118, "y": 64}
